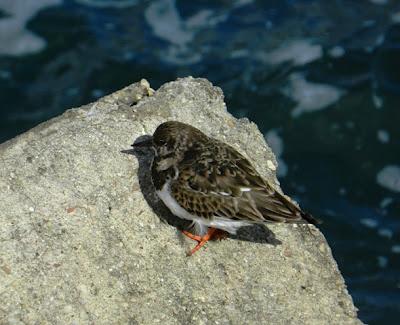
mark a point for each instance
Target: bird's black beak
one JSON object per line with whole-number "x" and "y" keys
{"x": 143, "y": 144}
{"x": 147, "y": 143}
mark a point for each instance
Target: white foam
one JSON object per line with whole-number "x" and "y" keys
{"x": 97, "y": 93}
{"x": 382, "y": 261}
{"x": 369, "y": 223}
{"x": 241, "y": 53}
{"x": 396, "y": 17}
{"x": 108, "y": 3}
{"x": 241, "y": 3}
{"x": 180, "y": 55}
{"x": 269, "y": 24}
{"x": 298, "y": 52}
{"x": 380, "y": 40}
{"x": 389, "y": 178}
{"x": 383, "y": 136}
{"x": 274, "y": 141}
{"x": 5, "y": 74}
{"x": 384, "y": 232}
{"x": 164, "y": 19}
{"x": 337, "y": 51}
{"x": 282, "y": 168}
{"x": 15, "y": 39}
{"x": 310, "y": 96}
{"x": 276, "y": 144}
{"x": 368, "y": 23}
{"x": 386, "y": 202}
{"x": 167, "y": 24}
{"x": 205, "y": 18}
{"x": 377, "y": 100}
{"x": 379, "y": 2}
{"x": 396, "y": 249}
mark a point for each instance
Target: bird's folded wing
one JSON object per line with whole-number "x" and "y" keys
{"x": 233, "y": 190}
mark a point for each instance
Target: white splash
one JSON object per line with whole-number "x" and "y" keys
{"x": 5, "y": 74}
{"x": 310, "y": 96}
{"x": 382, "y": 261}
{"x": 108, "y": 3}
{"x": 241, "y": 3}
{"x": 167, "y": 24}
{"x": 377, "y": 100}
{"x": 385, "y": 202}
{"x": 298, "y": 52}
{"x": 396, "y": 249}
{"x": 396, "y": 17}
{"x": 369, "y": 223}
{"x": 389, "y": 178}
{"x": 15, "y": 39}
{"x": 276, "y": 143}
{"x": 384, "y": 232}
{"x": 337, "y": 51}
{"x": 383, "y": 136}
{"x": 241, "y": 53}
{"x": 97, "y": 93}
{"x": 164, "y": 19}
{"x": 379, "y": 2}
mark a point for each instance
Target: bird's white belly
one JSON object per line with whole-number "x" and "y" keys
{"x": 228, "y": 225}
{"x": 170, "y": 202}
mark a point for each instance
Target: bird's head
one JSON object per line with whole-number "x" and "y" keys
{"x": 171, "y": 138}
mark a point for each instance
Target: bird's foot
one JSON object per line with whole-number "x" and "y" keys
{"x": 212, "y": 234}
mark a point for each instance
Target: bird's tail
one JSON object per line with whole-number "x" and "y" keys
{"x": 295, "y": 211}
{"x": 310, "y": 219}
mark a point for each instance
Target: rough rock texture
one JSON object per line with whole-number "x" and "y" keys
{"x": 84, "y": 240}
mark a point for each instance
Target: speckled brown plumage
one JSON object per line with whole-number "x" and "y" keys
{"x": 211, "y": 177}
{"x": 207, "y": 181}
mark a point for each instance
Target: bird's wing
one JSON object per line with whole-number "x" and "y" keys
{"x": 228, "y": 186}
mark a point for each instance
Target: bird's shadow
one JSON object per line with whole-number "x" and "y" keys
{"x": 256, "y": 233}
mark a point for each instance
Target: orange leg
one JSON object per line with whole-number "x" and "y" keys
{"x": 191, "y": 236}
{"x": 212, "y": 233}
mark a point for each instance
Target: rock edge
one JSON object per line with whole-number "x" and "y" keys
{"x": 84, "y": 239}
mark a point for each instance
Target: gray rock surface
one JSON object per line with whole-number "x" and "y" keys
{"x": 84, "y": 240}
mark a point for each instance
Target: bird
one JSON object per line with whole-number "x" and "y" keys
{"x": 211, "y": 184}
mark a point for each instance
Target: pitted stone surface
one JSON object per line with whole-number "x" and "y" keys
{"x": 83, "y": 238}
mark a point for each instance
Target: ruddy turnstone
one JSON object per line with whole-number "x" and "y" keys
{"x": 208, "y": 182}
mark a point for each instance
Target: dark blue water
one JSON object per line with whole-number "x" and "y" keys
{"x": 320, "y": 78}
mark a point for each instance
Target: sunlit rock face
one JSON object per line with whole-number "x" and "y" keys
{"x": 84, "y": 236}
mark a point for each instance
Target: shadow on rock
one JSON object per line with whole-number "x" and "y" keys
{"x": 145, "y": 156}
{"x": 256, "y": 233}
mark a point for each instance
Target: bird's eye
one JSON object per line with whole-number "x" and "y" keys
{"x": 161, "y": 142}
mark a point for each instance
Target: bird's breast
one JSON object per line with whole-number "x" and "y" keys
{"x": 162, "y": 171}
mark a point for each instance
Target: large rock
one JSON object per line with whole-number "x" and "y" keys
{"x": 84, "y": 239}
